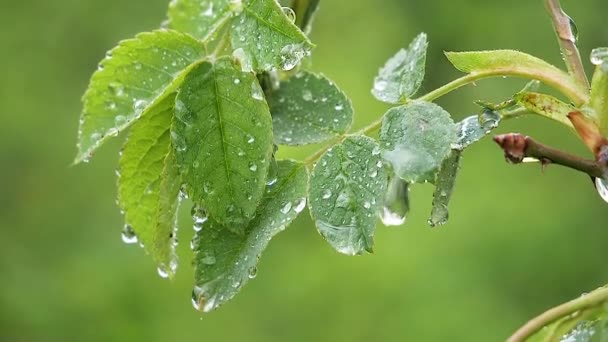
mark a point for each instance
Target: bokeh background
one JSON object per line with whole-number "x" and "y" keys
{"x": 519, "y": 240}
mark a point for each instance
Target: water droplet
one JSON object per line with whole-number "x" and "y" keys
{"x": 291, "y": 55}
{"x": 253, "y": 272}
{"x": 339, "y": 107}
{"x": 208, "y": 12}
{"x": 289, "y": 13}
{"x": 300, "y": 205}
{"x": 602, "y": 188}
{"x": 250, "y": 139}
{"x": 128, "y": 235}
{"x": 367, "y": 205}
{"x": 163, "y": 271}
{"x": 380, "y": 85}
{"x": 120, "y": 120}
{"x": 243, "y": 59}
{"x": 599, "y": 56}
{"x": 137, "y": 66}
{"x": 208, "y": 258}
{"x": 273, "y": 173}
{"x": 396, "y": 203}
{"x": 95, "y": 137}
{"x": 307, "y": 95}
{"x": 140, "y": 105}
{"x": 326, "y": 194}
{"x": 116, "y": 89}
{"x": 199, "y": 216}
{"x": 253, "y": 167}
{"x": 286, "y": 208}
{"x": 237, "y": 81}
{"x": 256, "y": 91}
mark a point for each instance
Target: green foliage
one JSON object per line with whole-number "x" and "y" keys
{"x": 346, "y": 189}
{"x": 402, "y": 75}
{"x": 222, "y": 135}
{"x": 209, "y": 104}
{"x": 415, "y": 139}
{"x": 225, "y": 261}
{"x": 309, "y": 108}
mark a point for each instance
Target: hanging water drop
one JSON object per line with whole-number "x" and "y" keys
{"x": 253, "y": 272}
{"x": 599, "y": 56}
{"x": 602, "y": 188}
{"x": 396, "y": 203}
{"x": 256, "y": 91}
{"x": 289, "y": 13}
{"x": 128, "y": 235}
{"x": 163, "y": 271}
{"x": 307, "y": 95}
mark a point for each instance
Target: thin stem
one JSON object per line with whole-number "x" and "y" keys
{"x": 517, "y": 147}
{"x": 567, "y": 41}
{"x": 589, "y": 300}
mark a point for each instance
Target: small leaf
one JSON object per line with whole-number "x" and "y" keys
{"x": 546, "y": 105}
{"x": 402, "y": 75}
{"x": 225, "y": 261}
{"x": 501, "y": 62}
{"x": 200, "y": 18}
{"x": 415, "y": 139}
{"x": 309, "y": 108}
{"x": 598, "y": 103}
{"x": 444, "y": 187}
{"x": 475, "y": 127}
{"x": 346, "y": 192}
{"x": 148, "y": 185}
{"x": 222, "y": 137}
{"x": 131, "y": 80}
{"x": 267, "y": 38}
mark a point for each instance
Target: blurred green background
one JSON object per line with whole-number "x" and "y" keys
{"x": 518, "y": 242}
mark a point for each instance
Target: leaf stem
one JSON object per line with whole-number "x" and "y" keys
{"x": 562, "y": 25}
{"x": 590, "y": 300}
{"x": 517, "y": 147}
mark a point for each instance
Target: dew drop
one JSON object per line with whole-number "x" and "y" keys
{"x": 256, "y": 91}
{"x": 128, "y": 235}
{"x": 253, "y": 167}
{"x": 307, "y": 95}
{"x": 396, "y": 203}
{"x": 599, "y": 56}
{"x": 326, "y": 194}
{"x": 252, "y": 272}
{"x": 237, "y": 81}
{"x": 339, "y": 107}
{"x": 602, "y": 188}
{"x": 380, "y": 85}
{"x": 208, "y": 12}
{"x": 289, "y": 13}
{"x": 120, "y": 120}
{"x": 286, "y": 208}
{"x": 300, "y": 205}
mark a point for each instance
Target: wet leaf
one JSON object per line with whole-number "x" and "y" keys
{"x": 309, "y": 108}
{"x": 474, "y": 128}
{"x": 598, "y": 104}
{"x": 545, "y": 105}
{"x": 403, "y": 74}
{"x": 347, "y": 188}
{"x": 225, "y": 261}
{"x": 149, "y": 184}
{"x": 499, "y": 62}
{"x": 265, "y": 38}
{"x": 130, "y": 81}
{"x": 444, "y": 186}
{"x": 415, "y": 139}
{"x": 200, "y": 18}
{"x": 222, "y": 137}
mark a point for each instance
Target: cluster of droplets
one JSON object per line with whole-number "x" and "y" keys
{"x": 292, "y": 54}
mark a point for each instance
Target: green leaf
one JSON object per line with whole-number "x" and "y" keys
{"x": 545, "y": 105}
{"x": 200, "y": 18}
{"x": 402, "y": 75}
{"x": 305, "y": 14}
{"x": 265, "y": 38}
{"x": 148, "y": 186}
{"x": 515, "y": 63}
{"x": 444, "y": 186}
{"x": 475, "y": 127}
{"x": 415, "y": 139}
{"x": 223, "y": 140}
{"x": 347, "y": 188}
{"x": 130, "y": 81}
{"x": 225, "y": 261}
{"x": 308, "y": 108}
{"x": 599, "y": 89}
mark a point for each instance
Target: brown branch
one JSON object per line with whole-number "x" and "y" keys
{"x": 517, "y": 147}
{"x": 567, "y": 41}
